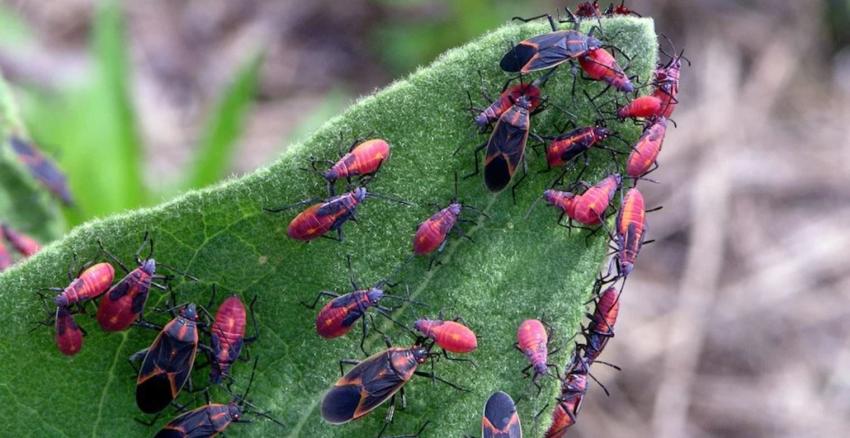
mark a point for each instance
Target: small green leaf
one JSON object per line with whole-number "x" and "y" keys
{"x": 218, "y": 138}
{"x": 515, "y": 268}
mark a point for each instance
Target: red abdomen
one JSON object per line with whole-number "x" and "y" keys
{"x": 589, "y": 208}
{"x": 565, "y": 149}
{"x": 449, "y": 335}
{"x": 561, "y": 420}
{"x": 308, "y": 225}
{"x": 338, "y": 316}
{"x": 123, "y": 303}
{"x": 69, "y": 337}
{"x": 605, "y": 315}
{"x": 646, "y": 150}
{"x": 92, "y": 283}
{"x": 432, "y": 233}
{"x": 364, "y": 159}
{"x": 227, "y": 332}
{"x": 600, "y": 65}
{"x": 644, "y": 106}
{"x": 532, "y": 339}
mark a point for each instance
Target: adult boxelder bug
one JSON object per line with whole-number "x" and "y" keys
{"x": 212, "y": 418}
{"x": 641, "y": 107}
{"x": 5, "y": 257}
{"x": 41, "y": 168}
{"x": 643, "y": 158}
{"x": 227, "y": 336}
{"x": 25, "y": 245}
{"x": 69, "y": 336}
{"x": 587, "y": 208}
{"x": 548, "y": 50}
{"x": 91, "y": 283}
{"x": 363, "y": 159}
{"x": 600, "y": 65}
{"x": 533, "y": 341}
{"x": 327, "y": 215}
{"x": 508, "y": 98}
{"x": 573, "y": 389}
{"x": 601, "y": 327}
{"x": 167, "y": 363}
{"x": 451, "y": 336}
{"x": 338, "y": 316}
{"x": 123, "y": 304}
{"x": 375, "y": 380}
{"x": 500, "y": 418}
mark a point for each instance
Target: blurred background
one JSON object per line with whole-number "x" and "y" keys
{"x": 735, "y": 323}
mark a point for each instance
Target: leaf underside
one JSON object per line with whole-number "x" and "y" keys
{"x": 515, "y": 269}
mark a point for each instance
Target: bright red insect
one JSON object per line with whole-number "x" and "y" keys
{"x": 641, "y": 107}
{"x": 666, "y": 81}
{"x": 89, "y": 284}
{"x": 568, "y": 146}
{"x": 643, "y": 158}
{"x": 600, "y": 65}
{"x": 573, "y": 389}
{"x": 533, "y": 342}
{"x": 588, "y": 10}
{"x": 451, "y": 336}
{"x": 363, "y": 159}
{"x": 602, "y": 322}
{"x": 620, "y": 9}
{"x": 69, "y": 336}
{"x": 588, "y": 208}
{"x": 432, "y": 233}
{"x": 631, "y": 227}
{"x": 25, "y": 245}
{"x": 507, "y": 99}
{"x": 228, "y": 337}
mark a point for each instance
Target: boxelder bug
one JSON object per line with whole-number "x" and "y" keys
{"x": 566, "y": 147}
{"x": 641, "y": 107}
{"x": 25, "y": 245}
{"x": 374, "y": 381}
{"x": 588, "y": 10}
{"x": 666, "y": 80}
{"x": 338, "y": 316}
{"x": 123, "y": 303}
{"x": 227, "y": 336}
{"x": 508, "y": 98}
{"x": 167, "y": 363}
{"x": 601, "y": 327}
{"x": 573, "y": 389}
{"x": 69, "y": 336}
{"x": 91, "y": 283}
{"x": 5, "y": 257}
{"x": 548, "y": 50}
{"x": 363, "y": 159}
{"x": 500, "y": 418}
{"x": 212, "y": 418}
{"x": 600, "y": 65}
{"x": 451, "y": 336}
{"x": 41, "y": 168}
{"x": 327, "y": 215}
{"x": 630, "y": 231}
{"x": 643, "y": 158}
{"x": 620, "y": 9}
{"x": 589, "y": 207}
{"x": 533, "y": 341}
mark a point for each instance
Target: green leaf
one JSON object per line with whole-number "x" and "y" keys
{"x": 218, "y": 141}
{"x": 515, "y": 269}
{"x": 24, "y": 203}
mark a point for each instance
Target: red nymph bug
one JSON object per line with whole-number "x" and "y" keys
{"x": 666, "y": 80}
{"x": 69, "y": 336}
{"x": 601, "y": 327}
{"x": 533, "y": 341}
{"x": 573, "y": 389}
{"x": 620, "y": 9}
{"x": 600, "y": 65}
{"x": 500, "y": 418}
{"x": 122, "y": 305}
{"x": 327, "y": 215}
{"x": 338, "y": 316}
{"x": 641, "y": 107}
{"x": 42, "y": 168}
{"x": 643, "y": 158}
{"x": 212, "y": 419}
{"x": 227, "y": 336}
{"x": 588, "y": 10}
{"x": 91, "y": 283}
{"x": 630, "y": 231}
{"x": 451, "y": 336}
{"x": 363, "y": 159}
{"x": 566, "y": 147}
{"x": 5, "y": 257}
{"x": 548, "y": 50}
{"x": 587, "y": 208}
{"x": 375, "y": 380}
{"x": 25, "y": 245}
{"x": 167, "y": 363}
{"x": 508, "y": 97}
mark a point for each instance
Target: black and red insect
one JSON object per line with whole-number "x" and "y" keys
{"x": 533, "y": 341}
{"x": 167, "y": 363}
{"x": 23, "y": 244}
{"x": 90, "y": 283}
{"x": 644, "y": 156}
{"x": 42, "y": 168}
{"x": 600, "y": 65}
{"x": 548, "y": 50}
{"x": 338, "y": 316}
{"x": 630, "y": 232}
{"x": 642, "y": 107}
{"x": 123, "y": 304}
{"x": 363, "y": 160}
{"x": 500, "y": 419}
{"x": 328, "y": 215}
{"x": 587, "y": 208}
{"x": 602, "y": 321}
{"x": 508, "y": 97}
{"x": 566, "y": 147}
{"x": 451, "y": 336}
{"x": 227, "y": 336}
{"x": 666, "y": 79}
{"x": 212, "y": 419}
{"x": 374, "y": 381}
{"x": 69, "y": 336}
{"x": 573, "y": 390}
{"x": 620, "y": 9}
